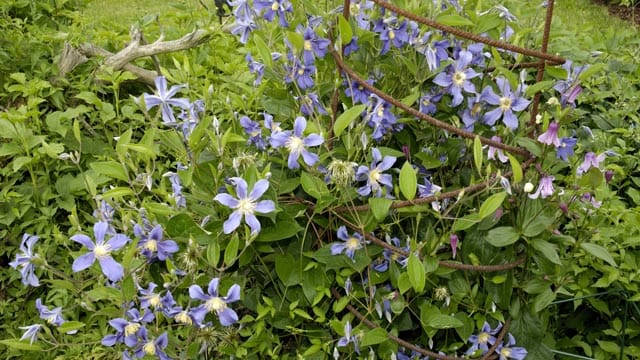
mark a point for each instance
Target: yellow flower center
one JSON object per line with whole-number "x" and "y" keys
{"x": 155, "y": 300}
{"x": 374, "y": 176}
{"x": 149, "y": 348}
{"x": 307, "y": 45}
{"x": 300, "y": 71}
{"x": 275, "y": 6}
{"x": 380, "y": 111}
{"x": 295, "y": 144}
{"x": 476, "y": 108}
{"x": 131, "y": 329}
{"x": 506, "y": 352}
{"x": 354, "y": 9}
{"x": 151, "y": 245}
{"x": 215, "y": 304}
{"x": 101, "y": 250}
{"x": 392, "y": 35}
{"x": 505, "y": 103}
{"x": 246, "y": 206}
{"x": 352, "y": 243}
{"x": 184, "y": 318}
{"x": 483, "y": 338}
{"x": 459, "y": 78}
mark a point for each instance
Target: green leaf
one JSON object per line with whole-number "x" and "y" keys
{"x": 477, "y": 153}
{"x": 112, "y": 169}
{"x": 537, "y": 225}
{"x": 346, "y": 34}
{"x": 128, "y": 288}
{"x": 380, "y": 207}
{"x": 531, "y": 145}
{"x": 263, "y": 49}
{"x": 288, "y": 270}
{"x": 7, "y": 130}
{"x": 373, "y": 337}
{"x": 591, "y": 70}
{"x": 465, "y": 222}
{"x": 502, "y": 236}
{"x": 543, "y": 300}
{"x": 430, "y": 264}
{"x": 599, "y": 252}
{"x": 142, "y": 149}
{"x": 492, "y": 204}
{"x": 314, "y": 186}
{"x": 417, "y": 276}
{"x": 70, "y": 326}
{"x": 454, "y": 20}
{"x": 408, "y": 181}
{"x": 441, "y": 321}
{"x": 516, "y": 169}
{"x": 117, "y": 193}
{"x": 17, "y": 344}
{"x": 537, "y": 87}
{"x": 347, "y": 117}
{"x": 549, "y": 250}
{"x": 231, "y": 251}
{"x": 213, "y": 253}
{"x": 284, "y": 228}
{"x": 20, "y": 161}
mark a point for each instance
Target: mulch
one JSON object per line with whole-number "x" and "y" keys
{"x": 628, "y": 13}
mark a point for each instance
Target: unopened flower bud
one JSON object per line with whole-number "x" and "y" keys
{"x": 528, "y": 187}
{"x": 553, "y": 101}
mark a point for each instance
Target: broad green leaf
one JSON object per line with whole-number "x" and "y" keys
{"x": 549, "y": 250}
{"x": 531, "y": 145}
{"x": 430, "y": 264}
{"x": 465, "y": 222}
{"x": 128, "y": 288}
{"x": 112, "y": 169}
{"x": 213, "y": 253}
{"x": 346, "y": 118}
{"x": 288, "y": 270}
{"x": 454, "y": 20}
{"x": 346, "y": 34}
{"x": 543, "y": 300}
{"x": 20, "y": 345}
{"x": 313, "y": 186}
{"x": 117, "y": 193}
{"x": 492, "y": 204}
{"x": 373, "y": 337}
{"x": 296, "y": 39}
{"x": 477, "y": 154}
{"x": 599, "y": 252}
{"x": 537, "y": 225}
{"x": 408, "y": 181}
{"x": 516, "y": 169}
{"x": 502, "y": 236}
{"x": 20, "y": 161}
{"x": 263, "y": 49}
{"x": 231, "y": 251}
{"x": 591, "y": 70}
{"x": 537, "y": 87}
{"x": 417, "y": 276}
{"x": 380, "y": 207}
{"x": 141, "y": 149}
{"x": 7, "y": 130}
{"x": 70, "y": 326}
{"x": 441, "y": 321}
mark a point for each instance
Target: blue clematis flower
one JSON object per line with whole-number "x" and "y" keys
{"x": 509, "y": 351}
{"x": 273, "y": 8}
{"x": 545, "y": 188}
{"x": 255, "y": 68}
{"x": 31, "y": 332}
{"x": 254, "y": 131}
{"x": 153, "y": 347}
{"x": 590, "y": 160}
{"x": 566, "y": 148}
{"x": 101, "y": 250}
{"x": 374, "y": 176}
{"x": 507, "y": 103}
{"x": 484, "y": 339}
{"x": 391, "y": 33}
{"x": 357, "y": 92}
{"x": 349, "y": 245}
{"x": 381, "y": 119}
{"x": 297, "y": 144}
{"x": 152, "y": 244}
{"x": 314, "y": 46}
{"x": 456, "y": 77}
{"x": 245, "y": 205}
{"x": 25, "y": 260}
{"x": 165, "y": 99}
{"x": 212, "y": 302}
{"x": 53, "y": 317}
{"x": 349, "y": 338}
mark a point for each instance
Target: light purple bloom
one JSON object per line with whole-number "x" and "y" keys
{"x": 254, "y": 131}
{"x": 545, "y": 188}
{"x": 351, "y": 46}
{"x": 550, "y": 137}
{"x": 104, "y": 212}
{"x": 509, "y": 351}
{"x": 314, "y": 46}
{"x": 473, "y": 112}
{"x": 212, "y": 302}
{"x": 457, "y": 76}
{"x": 349, "y": 244}
{"x": 24, "y": 259}
{"x": 348, "y": 338}
{"x": 297, "y": 144}
{"x": 453, "y": 242}
{"x": 243, "y": 27}
{"x": 374, "y": 175}
{"x": 358, "y": 10}
{"x": 357, "y": 92}
{"x": 493, "y": 151}
{"x": 100, "y": 250}
{"x": 53, "y": 317}
{"x": 165, "y": 100}
{"x": 380, "y": 118}
{"x": 152, "y": 244}
{"x": 566, "y": 148}
{"x": 570, "y": 87}
{"x": 484, "y": 339}
{"x": 507, "y": 103}
{"x": 310, "y": 103}
{"x": 31, "y": 332}
{"x": 428, "y": 103}
{"x": 301, "y": 73}
{"x": 391, "y": 33}
{"x": 128, "y": 331}
{"x": 245, "y": 205}
{"x": 429, "y": 189}
{"x": 242, "y": 9}
{"x": 176, "y": 187}
{"x": 153, "y": 347}
{"x": 389, "y": 256}
{"x": 255, "y": 68}
{"x": 273, "y": 8}
{"x": 590, "y": 160}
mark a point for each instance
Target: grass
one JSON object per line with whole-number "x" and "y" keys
{"x": 128, "y": 12}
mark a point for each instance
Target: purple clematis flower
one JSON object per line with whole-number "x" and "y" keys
{"x": 348, "y": 338}
{"x": 153, "y": 347}
{"x": 550, "y": 137}
{"x": 509, "y": 351}
{"x": 374, "y": 176}
{"x": 25, "y": 260}
{"x": 176, "y": 187}
{"x": 590, "y": 160}
{"x": 101, "y": 250}
{"x": 243, "y": 27}
{"x": 351, "y": 46}
{"x": 428, "y": 103}
{"x": 391, "y": 33}
{"x": 245, "y": 205}
{"x": 297, "y": 144}
{"x": 128, "y": 331}
{"x": 31, "y": 332}
{"x": 314, "y": 46}
{"x": 301, "y": 73}
{"x": 507, "y": 103}
{"x": 310, "y": 103}
{"x": 255, "y": 68}
{"x": 349, "y": 245}
{"x": 380, "y": 118}
{"x": 484, "y": 339}
{"x": 390, "y": 256}
{"x": 494, "y": 151}
{"x": 50, "y": 316}
{"x": 357, "y": 92}
{"x": 570, "y": 87}
{"x": 165, "y": 100}
{"x": 213, "y": 302}
{"x": 566, "y": 148}
{"x": 273, "y": 8}
{"x": 152, "y": 244}
{"x": 429, "y": 189}
{"x": 254, "y": 131}
{"x": 358, "y": 10}
{"x": 545, "y": 189}
{"x": 457, "y": 76}
{"x": 473, "y": 112}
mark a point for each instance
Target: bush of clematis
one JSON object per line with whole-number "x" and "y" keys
{"x": 359, "y": 185}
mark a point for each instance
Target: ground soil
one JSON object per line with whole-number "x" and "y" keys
{"x": 629, "y": 13}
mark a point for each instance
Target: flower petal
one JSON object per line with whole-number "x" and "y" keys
{"x": 84, "y": 240}
{"x": 265, "y": 207}
{"x": 227, "y": 200}
{"x": 118, "y": 241}
{"x": 195, "y": 292}
{"x": 227, "y": 317}
{"x": 83, "y": 262}
{"x": 212, "y": 289}
{"x": 232, "y": 222}
{"x": 299, "y": 125}
{"x": 313, "y": 140}
{"x": 233, "y": 294}
{"x": 253, "y": 223}
{"x": 241, "y": 187}
{"x": 100, "y": 230}
{"x": 112, "y": 270}
{"x": 259, "y": 188}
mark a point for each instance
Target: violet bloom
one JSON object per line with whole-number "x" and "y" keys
{"x": 494, "y": 151}
{"x": 153, "y": 347}
{"x": 473, "y": 112}
{"x": 310, "y": 103}
{"x": 350, "y": 243}
{"x": 545, "y": 188}
{"x": 243, "y": 27}
{"x": 302, "y": 74}
{"x": 429, "y": 189}
{"x": 273, "y": 8}
{"x": 255, "y": 68}
{"x": 297, "y": 144}
{"x": 391, "y": 33}
{"x": 509, "y": 351}
{"x": 254, "y": 131}
{"x": 351, "y": 46}
{"x": 507, "y": 103}
{"x": 428, "y": 103}
{"x": 245, "y": 205}
{"x": 31, "y": 332}
{"x": 314, "y": 46}
{"x": 484, "y": 339}
{"x": 550, "y": 137}
{"x": 100, "y": 250}
{"x": 127, "y": 331}
{"x": 53, "y": 317}
{"x": 357, "y": 92}
{"x": 434, "y": 55}
{"x": 390, "y": 256}
{"x": 590, "y": 160}
{"x": 152, "y": 244}
{"x": 104, "y": 212}
{"x": 25, "y": 260}
{"x": 374, "y": 175}
{"x": 176, "y": 187}
{"x": 570, "y": 87}
{"x": 212, "y": 302}
{"x": 381, "y": 119}
{"x": 165, "y": 100}
{"x": 358, "y": 10}
{"x": 348, "y": 338}
{"x": 457, "y": 76}
{"x": 241, "y": 9}
{"x": 453, "y": 242}
{"x": 566, "y": 148}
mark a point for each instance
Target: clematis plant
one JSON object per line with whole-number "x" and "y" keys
{"x": 245, "y": 205}
{"x": 213, "y": 302}
{"x": 101, "y": 250}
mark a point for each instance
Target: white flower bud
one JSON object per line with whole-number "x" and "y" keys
{"x": 553, "y": 101}
{"x": 528, "y": 187}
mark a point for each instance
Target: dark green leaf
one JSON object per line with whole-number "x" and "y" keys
{"x": 599, "y": 252}
{"x": 502, "y": 236}
{"x": 408, "y": 181}
{"x": 346, "y": 118}
{"x": 373, "y": 337}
